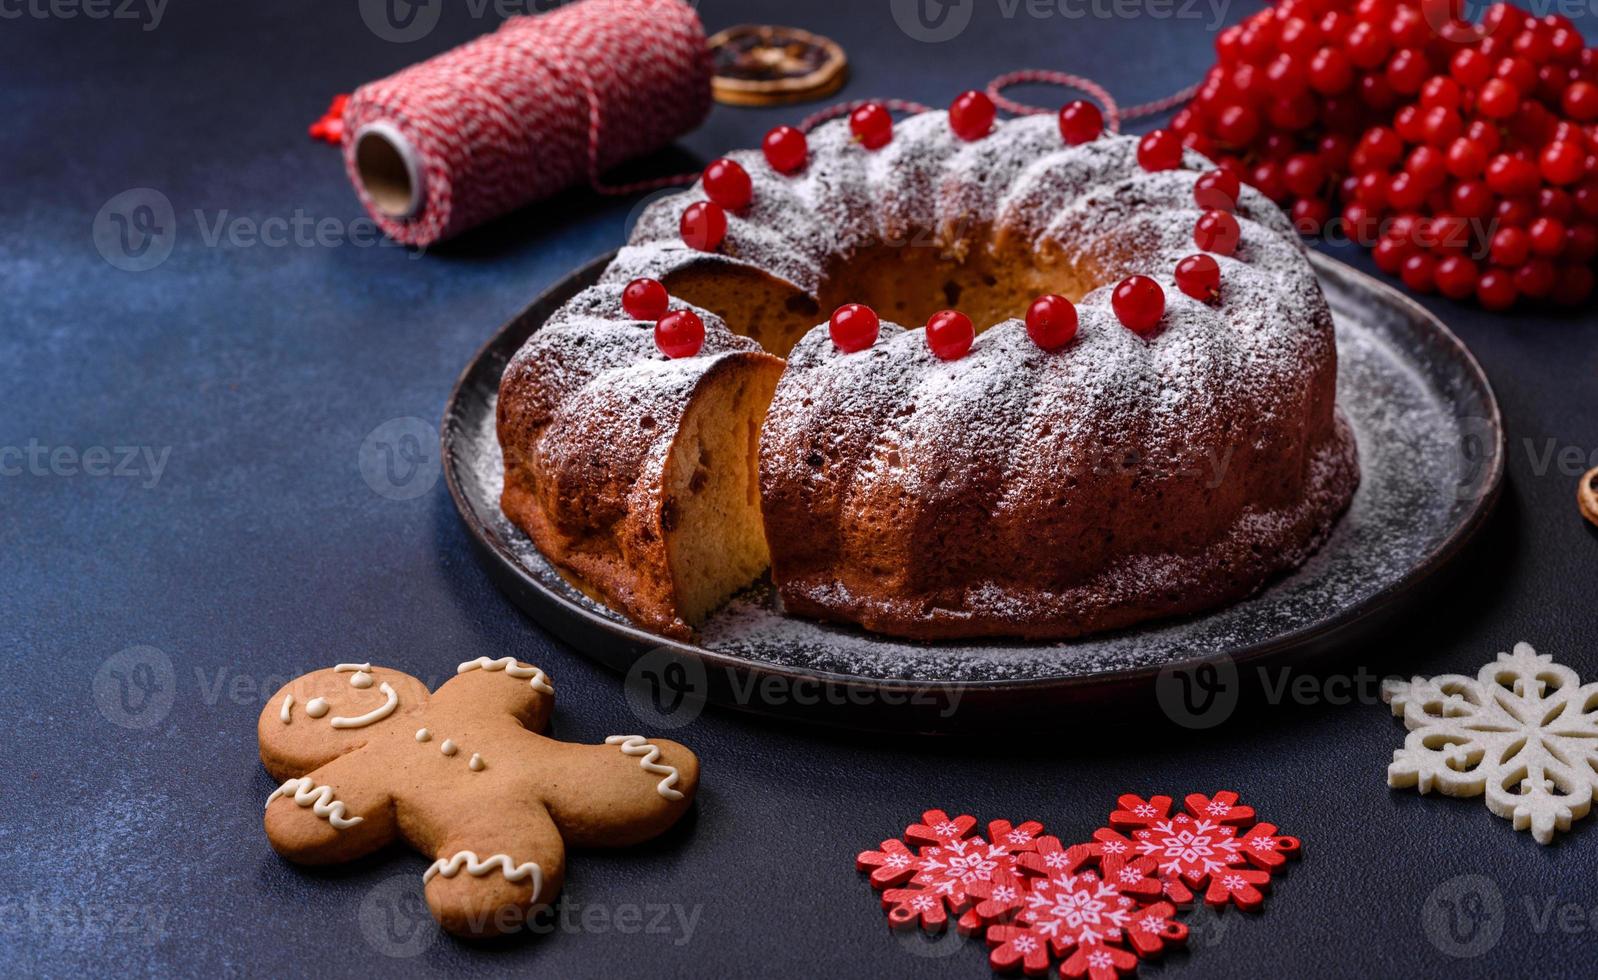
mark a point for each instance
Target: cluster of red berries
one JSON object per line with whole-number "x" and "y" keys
{"x": 1465, "y": 155}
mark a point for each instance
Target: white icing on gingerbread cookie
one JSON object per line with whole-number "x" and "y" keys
{"x": 363, "y": 680}
{"x": 288, "y": 702}
{"x": 345, "y": 668}
{"x": 502, "y": 863}
{"x": 448, "y": 748}
{"x": 476, "y": 765}
{"x": 639, "y": 746}
{"x": 535, "y": 677}
{"x": 316, "y": 707}
{"x": 423, "y": 734}
{"x": 318, "y": 798}
{"x": 376, "y": 714}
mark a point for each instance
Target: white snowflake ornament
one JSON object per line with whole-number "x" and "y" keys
{"x": 1524, "y": 731}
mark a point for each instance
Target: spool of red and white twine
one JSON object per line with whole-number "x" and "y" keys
{"x": 544, "y": 103}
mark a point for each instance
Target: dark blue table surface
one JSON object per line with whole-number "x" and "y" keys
{"x": 149, "y": 603}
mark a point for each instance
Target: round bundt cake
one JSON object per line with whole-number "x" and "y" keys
{"x": 1142, "y": 442}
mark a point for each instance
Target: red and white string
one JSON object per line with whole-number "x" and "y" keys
{"x": 542, "y": 104}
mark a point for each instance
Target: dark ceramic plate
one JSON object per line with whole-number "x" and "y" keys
{"x": 1431, "y": 448}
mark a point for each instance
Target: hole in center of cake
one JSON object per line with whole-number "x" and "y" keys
{"x": 904, "y": 283}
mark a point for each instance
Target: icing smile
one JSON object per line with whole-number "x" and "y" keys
{"x": 391, "y": 701}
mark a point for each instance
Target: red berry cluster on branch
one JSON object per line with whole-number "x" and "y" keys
{"x": 1465, "y": 155}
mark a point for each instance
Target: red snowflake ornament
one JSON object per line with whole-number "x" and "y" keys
{"x": 950, "y": 873}
{"x": 1098, "y": 913}
{"x": 1199, "y": 849}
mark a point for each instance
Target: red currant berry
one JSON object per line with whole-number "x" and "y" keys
{"x": 1498, "y": 99}
{"x": 1159, "y": 149}
{"x": 971, "y": 115}
{"x": 1518, "y": 72}
{"x": 1218, "y": 232}
{"x": 1227, "y": 46}
{"x": 1237, "y": 125}
{"x": 703, "y": 225}
{"x": 1514, "y": 212}
{"x": 1580, "y": 101}
{"x": 1405, "y": 192}
{"x": 1450, "y": 234}
{"x": 1441, "y": 125}
{"x": 1547, "y": 236}
{"x": 1139, "y": 303}
{"x": 1309, "y": 215}
{"x": 728, "y": 184}
{"x": 1390, "y": 253}
{"x": 786, "y": 149}
{"x": 646, "y": 299}
{"x": 680, "y": 333}
{"x": 1407, "y": 71}
{"x": 1284, "y": 77}
{"x": 1359, "y": 223}
{"x": 1537, "y": 278}
{"x": 1553, "y": 202}
{"x": 1471, "y": 199}
{"x": 949, "y": 334}
{"x": 1267, "y": 179}
{"x": 1407, "y": 123}
{"x": 1456, "y": 277}
{"x": 1333, "y": 150}
{"x": 1466, "y": 158}
{"x": 1470, "y": 68}
{"x": 1581, "y": 243}
{"x": 1199, "y": 276}
{"x": 1051, "y": 321}
{"x": 1562, "y": 163}
{"x": 1080, "y": 122}
{"x": 1303, "y": 174}
{"x": 1367, "y": 45}
{"x": 1495, "y": 290}
{"x": 1200, "y": 144}
{"x": 1330, "y": 71}
{"x": 1586, "y": 199}
{"x": 871, "y": 125}
{"x": 1298, "y": 37}
{"x": 1409, "y": 28}
{"x": 1440, "y": 91}
{"x": 1428, "y": 166}
{"x": 1419, "y": 272}
{"x": 853, "y": 327}
{"x": 1510, "y": 247}
{"x": 1533, "y": 45}
{"x": 1217, "y": 190}
{"x": 1512, "y": 176}
{"x": 1574, "y": 285}
{"x": 1380, "y": 148}
{"x": 1376, "y": 93}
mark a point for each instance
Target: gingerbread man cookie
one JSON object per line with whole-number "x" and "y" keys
{"x": 366, "y": 756}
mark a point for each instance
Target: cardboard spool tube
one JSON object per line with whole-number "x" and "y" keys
{"x": 389, "y": 172}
